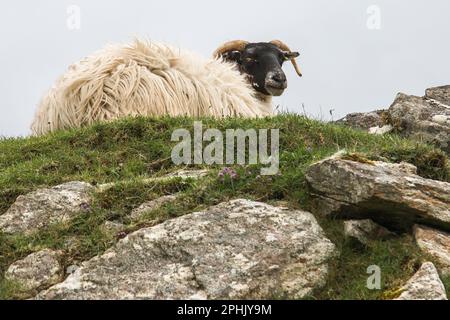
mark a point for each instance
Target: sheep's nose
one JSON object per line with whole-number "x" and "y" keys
{"x": 279, "y": 77}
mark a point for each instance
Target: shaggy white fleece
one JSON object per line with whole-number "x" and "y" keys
{"x": 149, "y": 79}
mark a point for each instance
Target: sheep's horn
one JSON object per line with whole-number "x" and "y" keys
{"x": 284, "y": 47}
{"x": 236, "y": 45}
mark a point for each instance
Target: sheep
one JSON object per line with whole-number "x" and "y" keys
{"x": 153, "y": 79}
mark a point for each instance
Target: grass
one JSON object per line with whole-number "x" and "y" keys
{"x": 137, "y": 148}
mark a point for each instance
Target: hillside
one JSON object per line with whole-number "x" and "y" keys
{"x": 129, "y": 152}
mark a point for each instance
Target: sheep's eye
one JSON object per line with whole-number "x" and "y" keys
{"x": 250, "y": 60}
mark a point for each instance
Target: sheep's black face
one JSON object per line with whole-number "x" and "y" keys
{"x": 262, "y": 63}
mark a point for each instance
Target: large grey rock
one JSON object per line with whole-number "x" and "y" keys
{"x": 440, "y": 94}
{"x": 38, "y": 271}
{"x": 423, "y": 119}
{"x": 424, "y": 285}
{"x": 389, "y": 194}
{"x": 364, "y": 121}
{"x": 43, "y": 207}
{"x": 239, "y": 249}
{"x": 436, "y": 244}
{"x": 365, "y": 230}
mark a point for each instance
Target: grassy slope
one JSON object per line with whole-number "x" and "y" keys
{"x": 132, "y": 149}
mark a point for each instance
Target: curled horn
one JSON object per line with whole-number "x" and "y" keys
{"x": 236, "y": 45}
{"x": 284, "y": 47}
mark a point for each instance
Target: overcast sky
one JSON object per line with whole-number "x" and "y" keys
{"x": 353, "y": 59}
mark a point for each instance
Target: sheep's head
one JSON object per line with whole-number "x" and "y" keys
{"x": 261, "y": 62}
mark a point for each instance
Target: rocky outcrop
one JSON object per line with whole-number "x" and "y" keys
{"x": 236, "y": 250}
{"x": 366, "y": 230}
{"x": 440, "y": 94}
{"x": 389, "y": 194}
{"x": 424, "y": 118}
{"x": 364, "y": 121}
{"x": 38, "y": 271}
{"x": 436, "y": 244}
{"x": 424, "y": 285}
{"x": 44, "y": 207}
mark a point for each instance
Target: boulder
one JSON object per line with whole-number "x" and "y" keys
{"x": 363, "y": 120}
{"x": 365, "y": 230}
{"x": 37, "y": 271}
{"x": 389, "y": 194}
{"x": 424, "y": 285}
{"x": 422, "y": 119}
{"x": 436, "y": 244}
{"x": 236, "y": 250}
{"x": 44, "y": 207}
{"x": 440, "y": 94}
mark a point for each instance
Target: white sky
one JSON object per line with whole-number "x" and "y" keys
{"x": 346, "y": 66}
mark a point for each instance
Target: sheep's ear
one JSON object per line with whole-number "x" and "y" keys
{"x": 232, "y": 56}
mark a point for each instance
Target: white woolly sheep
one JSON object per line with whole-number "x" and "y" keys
{"x": 151, "y": 79}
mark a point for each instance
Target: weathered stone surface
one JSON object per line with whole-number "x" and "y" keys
{"x": 71, "y": 269}
{"x": 38, "y": 271}
{"x": 44, "y": 207}
{"x": 436, "y": 244}
{"x": 424, "y": 285}
{"x": 381, "y": 130}
{"x": 113, "y": 227}
{"x": 188, "y": 174}
{"x": 440, "y": 94}
{"x": 422, "y": 118}
{"x": 146, "y": 207}
{"x": 181, "y": 174}
{"x": 238, "y": 249}
{"x": 364, "y": 121}
{"x": 389, "y": 194}
{"x": 365, "y": 230}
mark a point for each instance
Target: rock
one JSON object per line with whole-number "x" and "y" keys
{"x": 424, "y": 285}
{"x": 236, "y": 250}
{"x": 425, "y": 118}
{"x": 188, "y": 174}
{"x": 436, "y": 244}
{"x": 38, "y": 271}
{"x": 364, "y": 121}
{"x": 182, "y": 174}
{"x": 113, "y": 227}
{"x": 365, "y": 230}
{"x": 440, "y": 94}
{"x": 389, "y": 194}
{"x": 146, "y": 207}
{"x": 43, "y": 207}
{"x": 422, "y": 119}
{"x": 71, "y": 269}
{"x": 381, "y": 130}
{"x": 441, "y": 119}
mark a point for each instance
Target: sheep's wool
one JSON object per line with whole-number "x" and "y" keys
{"x": 148, "y": 79}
